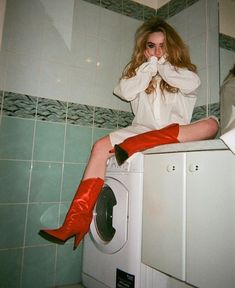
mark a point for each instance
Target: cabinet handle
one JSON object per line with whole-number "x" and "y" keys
{"x": 193, "y": 167}
{"x": 170, "y": 168}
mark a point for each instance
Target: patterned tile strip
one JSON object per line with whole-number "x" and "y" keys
{"x": 80, "y": 114}
{"x": 124, "y": 119}
{"x": 175, "y": 6}
{"x": 112, "y": 5}
{"x": 149, "y": 12}
{"x": 198, "y": 113}
{"x": 24, "y": 106}
{"x": 163, "y": 11}
{"x": 133, "y": 9}
{"x": 51, "y": 110}
{"x": 142, "y": 12}
{"x": 190, "y": 2}
{"x": 214, "y": 109}
{"x": 227, "y": 42}
{"x": 19, "y": 105}
{"x": 105, "y": 118}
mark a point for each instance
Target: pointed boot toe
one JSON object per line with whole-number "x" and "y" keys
{"x": 120, "y": 154}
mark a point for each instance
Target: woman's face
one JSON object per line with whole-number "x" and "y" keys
{"x": 155, "y": 45}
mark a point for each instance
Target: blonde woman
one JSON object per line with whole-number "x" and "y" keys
{"x": 160, "y": 82}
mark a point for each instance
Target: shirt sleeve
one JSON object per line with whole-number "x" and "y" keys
{"x": 187, "y": 81}
{"x": 128, "y": 89}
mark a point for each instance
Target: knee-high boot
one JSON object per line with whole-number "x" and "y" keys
{"x": 145, "y": 141}
{"x": 79, "y": 216}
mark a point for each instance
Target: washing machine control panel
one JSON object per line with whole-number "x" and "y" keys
{"x": 112, "y": 165}
{"x": 133, "y": 164}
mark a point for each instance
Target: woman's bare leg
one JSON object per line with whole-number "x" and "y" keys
{"x": 96, "y": 166}
{"x": 200, "y": 130}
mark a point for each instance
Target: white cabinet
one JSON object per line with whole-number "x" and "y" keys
{"x": 189, "y": 216}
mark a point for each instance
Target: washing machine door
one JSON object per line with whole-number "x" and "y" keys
{"x": 108, "y": 229}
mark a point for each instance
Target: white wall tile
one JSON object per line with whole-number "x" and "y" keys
{"x": 202, "y": 91}
{"x": 179, "y": 22}
{"x": 3, "y": 69}
{"x": 196, "y": 19}
{"x": 197, "y": 48}
{"x": 213, "y": 84}
{"x": 213, "y": 46}
{"x": 87, "y": 17}
{"x": 74, "y": 37}
{"x": 55, "y": 47}
{"x": 54, "y": 82}
{"x": 213, "y": 13}
{"x": 80, "y": 84}
{"x": 110, "y": 26}
{"x": 24, "y": 21}
{"x": 22, "y": 74}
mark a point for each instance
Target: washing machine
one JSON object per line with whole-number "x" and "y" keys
{"x": 112, "y": 248}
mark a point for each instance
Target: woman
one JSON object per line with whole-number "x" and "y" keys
{"x": 160, "y": 82}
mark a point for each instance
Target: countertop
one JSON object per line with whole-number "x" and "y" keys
{"x": 205, "y": 145}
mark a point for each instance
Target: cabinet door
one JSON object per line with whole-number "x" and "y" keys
{"x": 210, "y": 261}
{"x": 163, "y": 233}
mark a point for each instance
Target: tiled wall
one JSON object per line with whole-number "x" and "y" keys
{"x": 58, "y": 105}
{"x": 44, "y": 147}
{"x": 69, "y": 50}
{"x": 75, "y": 51}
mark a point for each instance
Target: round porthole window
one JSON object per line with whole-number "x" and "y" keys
{"x": 108, "y": 230}
{"x": 104, "y": 214}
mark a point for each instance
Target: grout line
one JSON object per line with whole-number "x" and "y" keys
{"x": 28, "y": 198}
{"x": 61, "y": 189}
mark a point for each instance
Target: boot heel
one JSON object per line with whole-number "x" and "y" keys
{"x": 78, "y": 238}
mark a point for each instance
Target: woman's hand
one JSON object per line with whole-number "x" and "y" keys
{"x": 148, "y": 54}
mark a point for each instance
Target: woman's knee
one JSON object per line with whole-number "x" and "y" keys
{"x": 212, "y": 126}
{"x": 102, "y": 146}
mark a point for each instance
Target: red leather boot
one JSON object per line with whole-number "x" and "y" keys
{"x": 78, "y": 219}
{"x": 145, "y": 141}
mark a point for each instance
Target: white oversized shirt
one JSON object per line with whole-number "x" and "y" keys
{"x": 157, "y": 110}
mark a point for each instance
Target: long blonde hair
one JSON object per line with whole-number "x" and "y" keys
{"x": 177, "y": 51}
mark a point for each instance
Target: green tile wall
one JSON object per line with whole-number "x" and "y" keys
{"x": 44, "y": 148}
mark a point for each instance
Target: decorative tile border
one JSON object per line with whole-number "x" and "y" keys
{"x": 126, "y": 7}
{"x": 214, "y": 109}
{"x": 112, "y": 5}
{"x": 200, "y": 112}
{"x": 133, "y": 9}
{"x": 106, "y": 118}
{"x": 174, "y": 7}
{"x": 226, "y": 42}
{"x": 80, "y": 114}
{"x": 24, "y": 106}
{"x": 124, "y": 119}
{"x": 51, "y": 110}
{"x": 142, "y": 12}
{"x": 18, "y": 105}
